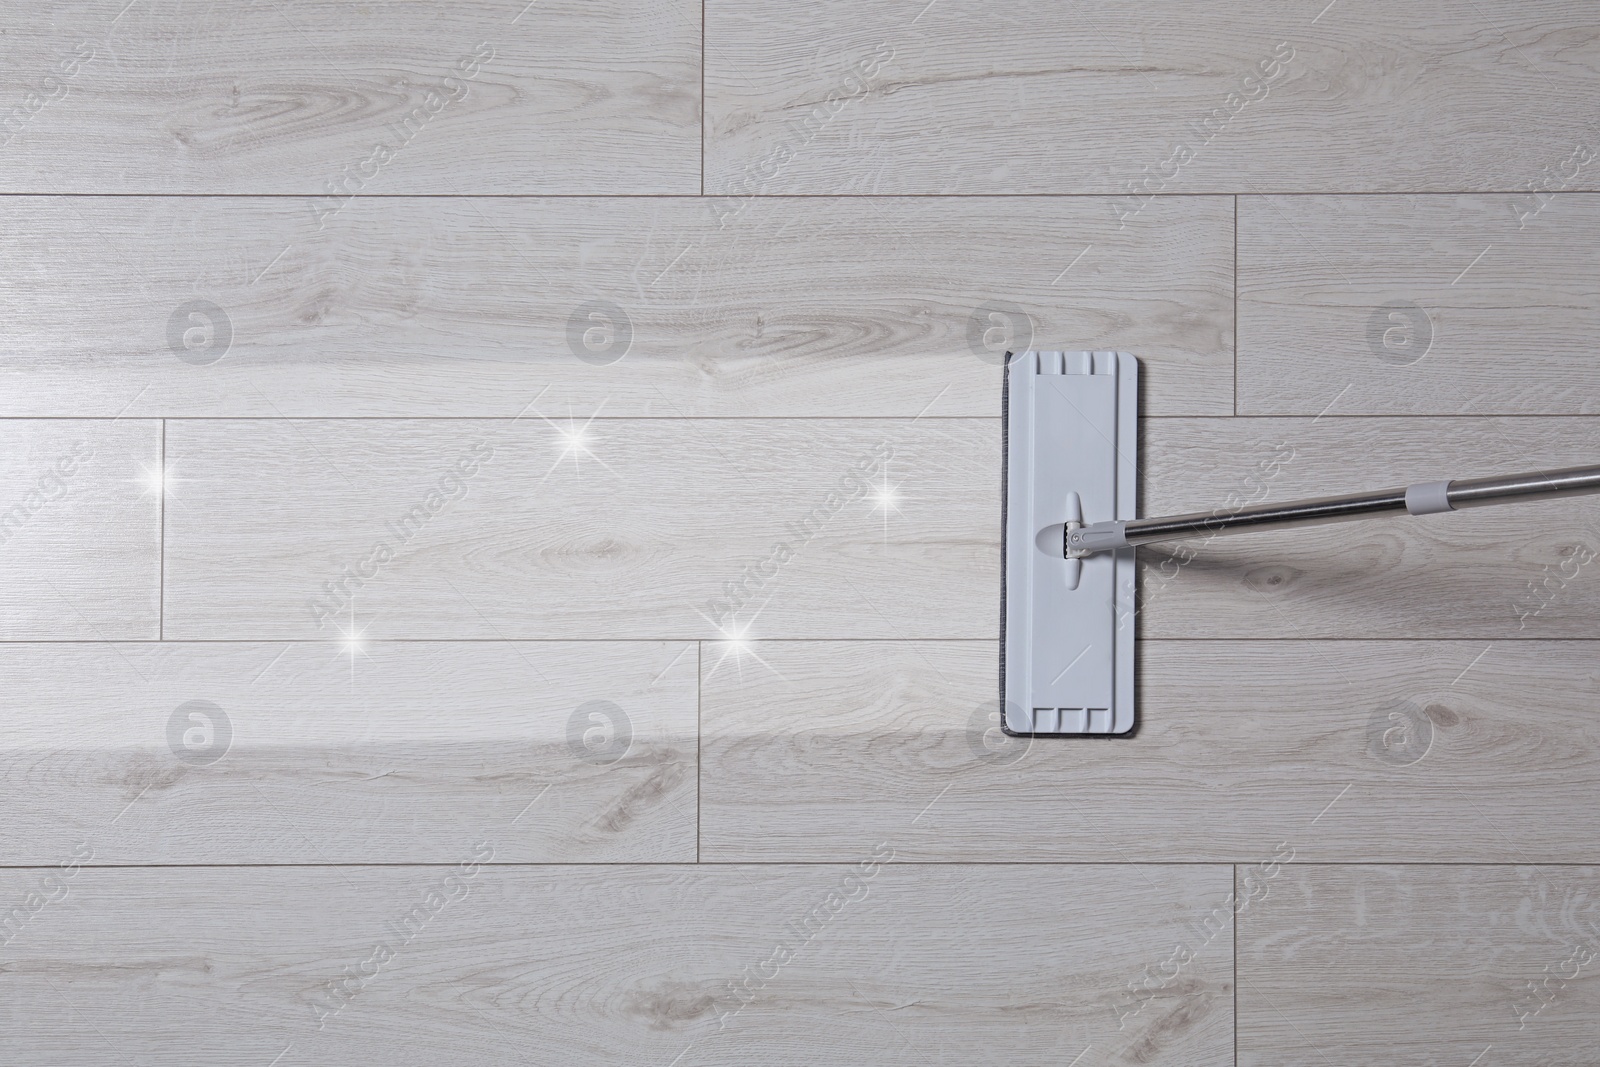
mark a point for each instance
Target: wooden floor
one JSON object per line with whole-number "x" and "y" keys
{"x": 402, "y": 407}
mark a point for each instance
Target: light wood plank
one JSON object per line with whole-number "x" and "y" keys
{"x": 80, "y": 529}
{"x": 1349, "y": 751}
{"x": 322, "y": 752}
{"x": 608, "y": 965}
{"x": 1518, "y": 571}
{"x": 306, "y": 98}
{"x": 637, "y": 530}
{"x": 1419, "y": 305}
{"x": 475, "y": 307}
{"x": 641, "y": 536}
{"x": 1421, "y": 965}
{"x": 824, "y": 96}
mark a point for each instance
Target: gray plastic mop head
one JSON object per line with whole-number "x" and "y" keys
{"x": 1067, "y": 625}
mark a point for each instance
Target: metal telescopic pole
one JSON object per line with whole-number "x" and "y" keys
{"x": 1424, "y": 499}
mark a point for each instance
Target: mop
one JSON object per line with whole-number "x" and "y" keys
{"x": 1069, "y": 498}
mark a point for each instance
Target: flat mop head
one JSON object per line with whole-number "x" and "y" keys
{"x": 1067, "y": 626}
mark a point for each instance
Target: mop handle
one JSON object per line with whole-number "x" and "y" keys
{"x": 1425, "y": 498}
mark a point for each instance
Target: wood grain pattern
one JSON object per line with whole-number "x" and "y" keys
{"x": 475, "y": 307}
{"x": 525, "y": 526}
{"x": 675, "y": 529}
{"x": 1349, "y": 751}
{"x": 1526, "y": 571}
{"x": 607, "y": 965}
{"x": 80, "y": 529}
{"x": 1335, "y": 964}
{"x": 319, "y": 753}
{"x": 1492, "y": 299}
{"x": 956, "y": 97}
{"x": 497, "y": 96}
{"x": 651, "y": 529}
